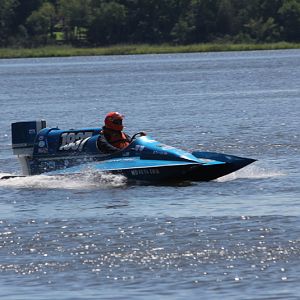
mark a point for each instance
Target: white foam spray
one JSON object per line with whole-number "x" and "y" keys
{"x": 251, "y": 172}
{"x": 87, "y": 180}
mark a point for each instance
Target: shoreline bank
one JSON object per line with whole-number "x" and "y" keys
{"x": 67, "y": 51}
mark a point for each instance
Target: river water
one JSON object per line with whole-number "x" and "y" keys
{"x": 103, "y": 238}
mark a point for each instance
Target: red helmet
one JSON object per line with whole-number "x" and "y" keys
{"x": 114, "y": 121}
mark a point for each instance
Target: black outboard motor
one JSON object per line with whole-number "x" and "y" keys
{"x": 23, "y": 135}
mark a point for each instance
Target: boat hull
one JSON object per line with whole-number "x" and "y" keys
{"x": 178, "y": 173}
{"x": 157, "y": 171}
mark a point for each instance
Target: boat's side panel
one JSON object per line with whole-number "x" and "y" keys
{"x": 58, "y": 149}
{"x": 210, "y": 172}
{"x": 56, "y": 142}
{"x": 120, "y": 164}
{"x": 232, "y": 163}
{"x": 141, "y": 169}
{"x": 222, "y": 157}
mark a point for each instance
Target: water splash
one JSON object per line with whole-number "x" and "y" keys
{"x": 87, "y": 180}
{"x": 251, "y": 172}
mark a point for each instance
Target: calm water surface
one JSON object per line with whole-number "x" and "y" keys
{"x": 99, "y": 237}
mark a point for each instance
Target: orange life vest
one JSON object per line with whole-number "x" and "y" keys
{"x": 117, "y": 139}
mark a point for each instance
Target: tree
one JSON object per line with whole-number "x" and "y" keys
{"x": 107, "y": 24}
{"x": 24, "y": 9}
{"x": 103, "y": 22}
{"x": 245, "y": 10}
{"x": 152, "y": 21}
{"x": 202, "y": 17}
{"x": 290, "y": 20}
{"x": 74, "y": 14}
{"x": 182, "y": 31}
{"x": 270, "y": 9}
{"x": 7, "y": 13}
{"x": 225, "y": 17}
{"x": 40, "y": 23}
{"x": 263, "y": 31}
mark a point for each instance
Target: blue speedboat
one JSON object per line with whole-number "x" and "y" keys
{"x": 66, "y": 152}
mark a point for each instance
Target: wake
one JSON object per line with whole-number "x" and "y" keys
{"x": 88, "y": 180}
{"x": 251, "y": 172}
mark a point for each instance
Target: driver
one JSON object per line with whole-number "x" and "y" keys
{"x": 112, "y": 138}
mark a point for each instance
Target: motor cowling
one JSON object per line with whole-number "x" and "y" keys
{"x": 23, "y": 135}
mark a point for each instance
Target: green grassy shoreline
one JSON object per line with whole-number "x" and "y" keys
{"x": 65, "y": 51}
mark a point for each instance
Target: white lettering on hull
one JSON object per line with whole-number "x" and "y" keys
{"x": 74, "y": 140}
{"x": 137, "y": 172}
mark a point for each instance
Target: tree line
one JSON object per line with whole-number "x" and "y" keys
{"x": 30, "y": 23}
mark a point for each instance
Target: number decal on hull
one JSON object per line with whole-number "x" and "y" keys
{"x": 74, "y": 140}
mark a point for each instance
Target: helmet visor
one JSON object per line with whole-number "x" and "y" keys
{"x": 117, "y": 121}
